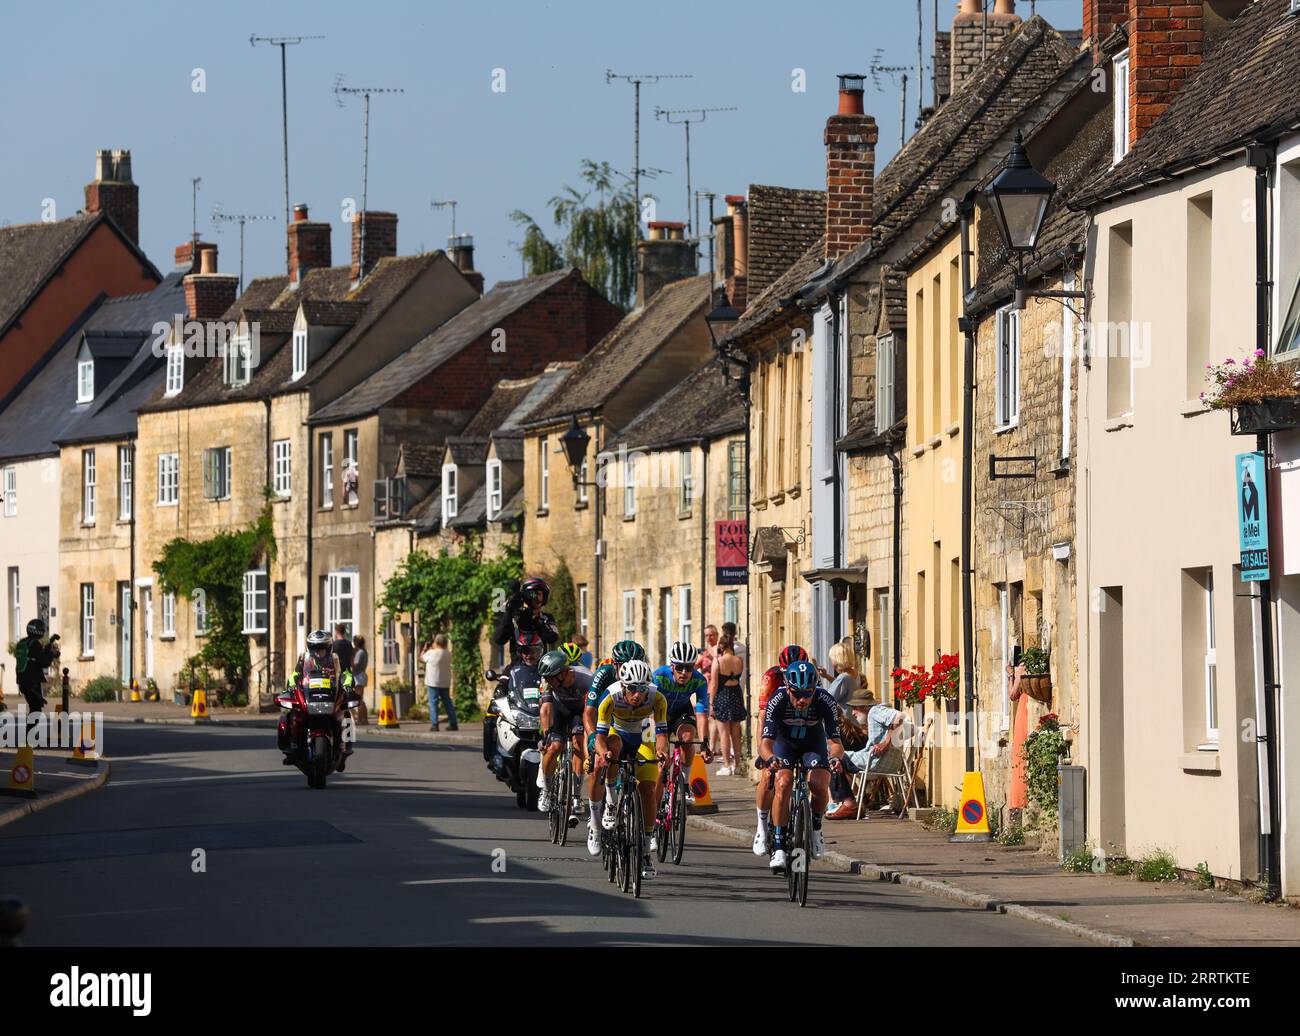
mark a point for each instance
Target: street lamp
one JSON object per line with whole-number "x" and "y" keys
{"x": 575, "y": 442}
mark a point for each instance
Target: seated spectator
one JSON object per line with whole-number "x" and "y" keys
{"x": 844, "y": 682}
{"x": 880, "y": 754}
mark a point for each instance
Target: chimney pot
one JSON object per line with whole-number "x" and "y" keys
{"x": 208, "y": 260}
{"x": 114, "y": 193}
{"x": 309, "y": 245}
{"x": 851, "y": 89}
{"x": 299, "y": 212}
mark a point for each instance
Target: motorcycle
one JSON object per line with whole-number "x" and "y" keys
{"x": 320, "y": 710}
{"x": 512, "y": 732}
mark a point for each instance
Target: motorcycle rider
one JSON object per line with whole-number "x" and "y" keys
{"x": 564, "y": 690}
{"x": 33, "y": 658}
{"x": 316, "y": 662}
{"x": 523, "y": 614}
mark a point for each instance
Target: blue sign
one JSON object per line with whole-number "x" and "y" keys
{"x": 1252, "y": 515}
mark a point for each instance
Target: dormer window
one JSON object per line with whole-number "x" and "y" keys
{"x": 448, "y": 492}
{"x": 175, "y": 370}
{"x": 236, "y": 363}
{"x": 494, "y": 489}
{"x": 299, "y": 353}
{"x": 85, "y": 381}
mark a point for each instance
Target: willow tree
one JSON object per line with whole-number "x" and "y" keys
{"x": 596, "y": 224}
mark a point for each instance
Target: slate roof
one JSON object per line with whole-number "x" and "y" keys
{"x": 623, "y": 351}
{"x": 466, "y": 452}
{"x": 512, "y": 428}
{"x": 259, "y": 293}
{"x": 421, "y": 460}
{"x": 45, "y": 412}
{"x": 783, "y": 221}
{"x": 472, "y": 512}
{"x": 512, "y": 508}
{"x": 31, "y": 253}
{"x": 1247, "y": 88}
{"x": 427, "y": 355}
{"x": 781, "y": 292}
{"x": 704, "y": 406}
{"x": 505, "y": 399}
{"x": 332, "y": 313}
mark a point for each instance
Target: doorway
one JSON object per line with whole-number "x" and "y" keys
{"x": 146, "y": 629}
{"x": 299, "y": 627}
{"x": 1110, "y": 740}
{"x": 124, "y": 627}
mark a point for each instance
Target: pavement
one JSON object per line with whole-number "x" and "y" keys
{"x": 203, "y": 836}
{"x": 1022, "y": 882}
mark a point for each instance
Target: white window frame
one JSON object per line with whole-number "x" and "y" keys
{"x": 85, "y": 381}
{"x": 11, "y": 492}
{"x": 282, "y": 479}
{"x": 125, "y": 482}
{"x": 217, "y": 472}
{"x": 256, "y": 601}
{"x": 87, "y": 487}
{"x": 236, "y": 367}
{"x": 175, "y": 370}
{"x": 200, "y": 617}
{"x": 544, "y": 464}
{"x": 884, "y": 649}
{"x": 1007, "y": 377}
{"x": 582, "y": 608}
{"x": 1211, "y": 668}
{"x": 629, "y": 614}
{"x": 340, "y": 587}
{"x": 450, "y": 502}
{"x": 168, "y": 615}
{"x": 299, "y": 353}
{"x": 731, "y": 606}
{"x": 684, "y": 623}
{"x": 326, "y": 471}
{"x": 15, "y": 600}
{"x": 629, "y": 486}
{"x": 1119, "y": 75}
{"x": 169, "y": 479}
{"x": 87, "y": 620}
{"x": 885, "y": 366}
{"x": 686, "y": 476}
{"x": 351, "y": 452}
{"x": 494, "y": 500}
{"x": 582, "y": 482}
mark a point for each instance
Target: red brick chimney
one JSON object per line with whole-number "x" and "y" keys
{"x": 738, "y": 256}
{"x": 460, "y": 249}
{"x": 976, "y": 37}
{"x": 1165, "y": 43}
{"x": 1100, "y": 17}
{"x": 188, "y": 254}
{"x": 114, "y": 193}
{"x": 309, "y": 245}
{"x": 380, "y": 229}
{"x": 850, "y": 171}
{"x": 208, "y": 294}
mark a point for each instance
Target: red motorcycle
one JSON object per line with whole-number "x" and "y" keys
{"x": 318, "y": 724}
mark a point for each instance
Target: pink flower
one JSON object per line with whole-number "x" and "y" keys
{"x": 1259, "y": 352}
{"x": 1229, "y": 361}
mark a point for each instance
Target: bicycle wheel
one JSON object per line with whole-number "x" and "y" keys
{"x": 637, "y": 840}
{"x": 552, "y": 783}
{"x": 805, "y": 844}
{"x": 566, "y": 793}
{"x": 627, "y": 856}
{"x": 792, "y": 843}
{"x": 608, "y": 857}
{"x": 679, "y": 818}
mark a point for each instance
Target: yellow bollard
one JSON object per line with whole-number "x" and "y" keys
{"x": 22, "y": 775}
{"x": 387, "y": 711}
{"x": 199, "y": 707}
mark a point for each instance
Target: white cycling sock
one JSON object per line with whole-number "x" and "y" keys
{"x": 762, "y": 819}
{"x": 595, "y": 810}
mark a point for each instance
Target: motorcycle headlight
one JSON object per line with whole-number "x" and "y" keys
{"x": 523, "y": 721}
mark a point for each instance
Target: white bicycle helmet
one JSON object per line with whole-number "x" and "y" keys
{"x": 683, "y": 653}
{"x": 634, "y": 672}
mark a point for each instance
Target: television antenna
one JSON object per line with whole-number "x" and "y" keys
{"x": 712, "y": 232}
{"x": 340, "y": 93}
{"x": 684, "y": 119}
{"x": 877, "y": 70}
{"x": 637, "y": 79}
{"x": 219, "y": 217}
{"x": 194, "y": 210}
{"x": 448, "y": 204}
{"x": 282, "y": 42}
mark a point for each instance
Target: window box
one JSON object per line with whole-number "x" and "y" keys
{"x": 1268, "y": 415}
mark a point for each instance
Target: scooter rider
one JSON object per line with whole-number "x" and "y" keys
{"x": 317, "y": 662}
{"x": 523, "y": 614}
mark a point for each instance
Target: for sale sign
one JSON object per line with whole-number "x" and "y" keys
{"x": 1252, "y": 516}
{"x": 731, "y": 547}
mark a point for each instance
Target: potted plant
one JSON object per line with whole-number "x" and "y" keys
{"x": 911, "y": 686}
{"x": 1036, "y": 680}
{"x": 1263, "y": 395}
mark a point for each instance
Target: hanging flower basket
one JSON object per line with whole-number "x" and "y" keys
{"x": 1038, "y": 687}
{"x": 1268, "y": 415}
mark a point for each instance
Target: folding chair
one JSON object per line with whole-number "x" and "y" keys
{"x": 910, "y": 791}
{"x": 901, "y": 783}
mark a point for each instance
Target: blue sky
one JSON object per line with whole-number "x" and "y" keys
{"x": 83, "y": 76}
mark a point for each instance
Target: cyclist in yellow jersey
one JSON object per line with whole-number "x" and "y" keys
{"x": 619, "y": 723}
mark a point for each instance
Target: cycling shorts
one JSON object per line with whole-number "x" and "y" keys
{"x": 682, "y": 714}
{"x": 564, "y": 724}
{"x": 811, "y": 751}
{"x": 647, "y": 770}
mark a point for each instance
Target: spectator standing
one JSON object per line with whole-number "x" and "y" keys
{"x": 437, "y": 681}
{"x": 342, "y": 647}
{"x": 360, "y": 664}
{"x": 705, "y": 665}
{"x": 728, "y": 700}
{"x": 844, "y": 680}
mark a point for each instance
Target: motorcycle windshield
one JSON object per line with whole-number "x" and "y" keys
{"x": 525, "y": 689}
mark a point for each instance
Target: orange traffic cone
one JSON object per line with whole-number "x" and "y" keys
{"x": 387, "y": 711}
{"x": 87, "y": 751}
{"x": 22, "y": 775}
{"x": 699, "y": 782}
{"x": 199, "y": 706}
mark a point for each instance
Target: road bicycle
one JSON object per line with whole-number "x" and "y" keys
{"x": 625, "y": 857}
{"x": 563, "y": 814}
{"x": 670, "y": 821}
{"x": 799, "y": 835}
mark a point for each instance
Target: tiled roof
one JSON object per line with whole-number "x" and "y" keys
{"x": 704, "y": 406}
{"x": 325, "y": 282}
{"x": 472, "y": 512}
{"x": 545, "y": 383}
{"x": 419, "y": 459}
{"x": 512, "y": 508}
{"x": 331, "y": 313}
{"x": 783, "y": 222}
{"x": 1246, "y": 88}
{"x": 621, "y": 353}
{"x": 427, "y": 355}
{"x": 260, "y": 293}
{"x": 499, "y": 406}
{"x": 780, "y": 292}
{"x": 466, "y": 452}
{"x": 45, "y": 411}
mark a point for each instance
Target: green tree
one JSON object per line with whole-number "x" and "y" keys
{"x": 598, "y": 235}
{"x": 564, "y": 600}
{"x": 456, "y": 594}
{"x": 216, "y": 567}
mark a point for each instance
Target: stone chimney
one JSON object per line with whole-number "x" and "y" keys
{"x": 850, "y": 139}
{"x": 1100, "y": 17}
{"x": 1165, "y": 43}
{"x": 737, "y": 274}
{"x": 309, "y": 245}
{"x": 461, "y": 251}
{"x": 976, "y": 37}
{"x": 380, "y": 230}
{"x": 188, "y": 255}
{"x": 114, "y": 193}
{"x": 208, "y": 294}
{"x": 663, "y": 257}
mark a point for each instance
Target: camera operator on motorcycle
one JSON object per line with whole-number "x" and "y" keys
{"x": 318, "y": 662}
{"x": 564, "y": 692}
{"x": 33, "y": 658}
{"x": 523, "y": 614}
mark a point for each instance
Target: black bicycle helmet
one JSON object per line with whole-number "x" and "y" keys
{"x": 553, "y": 663}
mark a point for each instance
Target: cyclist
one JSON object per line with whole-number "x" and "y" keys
{"x": 773, "y": 680}
{"x": 573, "y": 654}
{"x": 630, "y": 702}
{"x": 802, "y": 722}
{"x": 564, "y": 690}
{"x": 605, "y": 675}
{"x": 679, "y": 681}
{"x": 523, "y": 614}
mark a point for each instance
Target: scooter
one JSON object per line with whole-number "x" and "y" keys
{"x": 512, "y": 732}
{"x": 318, "y": 713}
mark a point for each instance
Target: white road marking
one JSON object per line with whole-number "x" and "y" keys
{"x": 470, "y": 881}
